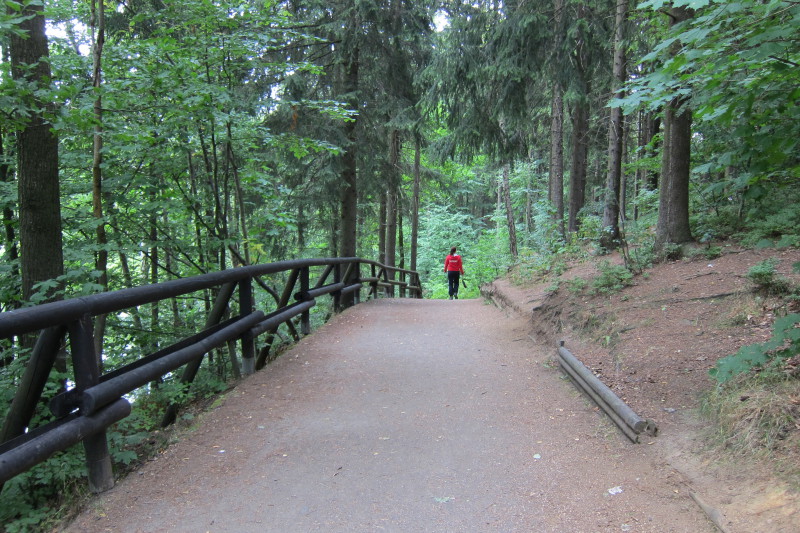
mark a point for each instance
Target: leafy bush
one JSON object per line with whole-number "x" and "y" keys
{"x": 590, "y": 228}
{"x": 785, "y": 343}
{"x": 773, "y": 226}
{"x": 545, "y": 236}
{"x": 533, "y": 266}
{"x": 31, "y": 500}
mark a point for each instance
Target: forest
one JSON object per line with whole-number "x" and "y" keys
{"x": 148, "y": 140}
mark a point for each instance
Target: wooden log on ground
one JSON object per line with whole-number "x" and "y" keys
{"x": 610, "y": 402}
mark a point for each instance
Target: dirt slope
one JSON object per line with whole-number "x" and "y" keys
{"x": 653, "y": 344}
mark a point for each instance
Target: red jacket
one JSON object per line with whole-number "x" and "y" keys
{"x": 453, "y": 262}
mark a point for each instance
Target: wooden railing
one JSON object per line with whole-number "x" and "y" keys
{"x": 95, "y": 400}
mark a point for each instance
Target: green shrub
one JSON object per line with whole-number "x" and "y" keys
{"x": 590, "y": 228}
{"x": 612, "y": 278}
{"x": 576, "y": 285}
{"x": 766, "y": 279}
{"x": 773, "y": 219}
{"x": 712, "y": 252}
{"x": 669, "y": 251}
{"x": 641, "y": 257}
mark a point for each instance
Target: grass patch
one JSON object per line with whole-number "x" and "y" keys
{"x": 758, "y": 416}
{"x": 743, "y": 308}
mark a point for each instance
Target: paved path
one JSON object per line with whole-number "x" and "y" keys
{"x": 404, "y": 416}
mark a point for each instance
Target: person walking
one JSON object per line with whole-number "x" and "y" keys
{"x": 454, "y": 269}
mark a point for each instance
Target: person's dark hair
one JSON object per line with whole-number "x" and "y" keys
{"x": 452, "y": 250}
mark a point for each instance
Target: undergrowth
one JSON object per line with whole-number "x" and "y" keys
{"x": 612, "y": 278}
{"x": 767, "y": 280}
{"x": 758, "y": 415}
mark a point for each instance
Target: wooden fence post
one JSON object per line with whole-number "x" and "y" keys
{"x": 87, "y": 374}
{"x": 305, "y": 318}
{"x": 373, "y": 285}
{"x": 355, "y": 277}
{"x": 337, "y": 296}
{"x": 246, "y": 305}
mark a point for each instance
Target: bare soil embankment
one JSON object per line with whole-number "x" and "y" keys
{"x": 653, "y": 344}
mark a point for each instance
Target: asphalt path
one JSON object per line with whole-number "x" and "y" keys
{"x": 404, "y": 416}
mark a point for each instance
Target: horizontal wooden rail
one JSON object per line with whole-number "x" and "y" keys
{"x": 85, "y": 411}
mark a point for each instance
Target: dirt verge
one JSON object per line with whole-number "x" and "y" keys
{"x": 653, "y": 343}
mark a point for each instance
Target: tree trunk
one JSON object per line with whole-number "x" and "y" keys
{"x": 653, "y": 126}
{"x": 391, "y": 230}
{"x": 11, "y": 253}
{"x": 512, "y": 229}
{"x": 673, "y": 197}
{"x": 101, "y": 260}
{"x": 556, "y": 193}
{"x": 382, "y": 230}
{"x": 415, "y": 207}
{"x": 580, "y": 152}
{"x": 611, "y": 233}
{"x": 391, "y": 204}
{"x": 556, "y": 178}
{"x": 349, "y": 191}
{"x": 301, "y": 225}
{"x": 239, "y": 193}
{"x": 529, "y": 203}
{"x": 580, "y": 124}
{"x": 348, "y": 221}
{"x": 154, "y": 310}
{"x": 37, "y": 157}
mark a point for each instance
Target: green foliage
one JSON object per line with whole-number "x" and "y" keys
{"x": 612, "y": 278}
{"x": 441, "y": 228}
{"x": 712, "y": 252}
{"x": 590, "y": 228}
{"x": 784, "y": 343}
{"x": 32, "y": 500}
{"x": 736, "y": 65}
{"x": 670, "y": 251}
{"x": 641, "y": 257}
{"x": 775, "y": 218}
{"x": 545, "y": 237}
{"x": 533, "y": 266}
{"x": 764, "y": 276}
{"x": 577, "y": 285}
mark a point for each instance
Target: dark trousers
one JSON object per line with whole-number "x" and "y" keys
{"x": 452, "y": 282}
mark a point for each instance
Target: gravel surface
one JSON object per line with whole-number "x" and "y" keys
{"x": 405, "y": 415}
